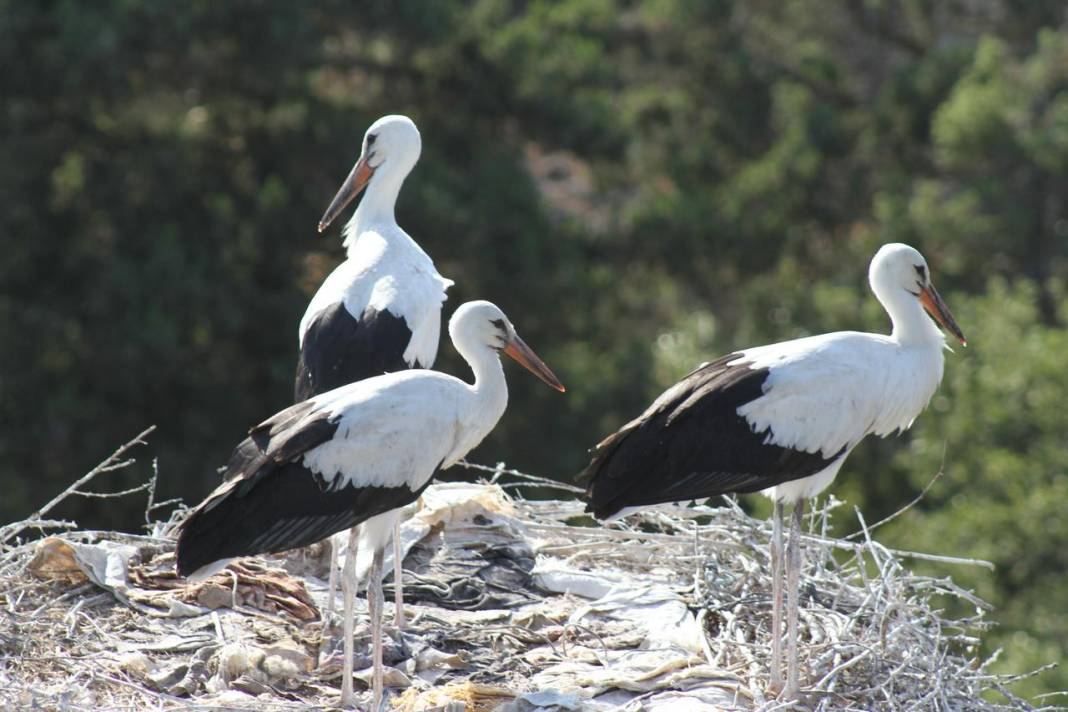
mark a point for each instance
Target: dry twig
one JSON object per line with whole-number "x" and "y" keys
{"x": 108, "y": 465}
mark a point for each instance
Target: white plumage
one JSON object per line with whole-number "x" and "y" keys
{"x": 398, "y": 428}
{"x": 781, "y": 419}
{"x": 355, "y": 454}
{"x": 826, "y": 393}
{"x": 386, "y": 271}
{"x": 379, "y": 310}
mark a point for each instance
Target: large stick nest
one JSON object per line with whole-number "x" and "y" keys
{"x": 517, "y": 605}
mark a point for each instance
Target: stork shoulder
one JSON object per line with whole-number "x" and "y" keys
{"x": 392, "y": 430}
{"x": 825, "y": 393}
{"x": 384, "y": 275}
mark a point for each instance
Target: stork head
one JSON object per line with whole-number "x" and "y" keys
{"x": 483, "y": 324}
{"x": 900, "y": 274}
{"x": 391, "y": 146}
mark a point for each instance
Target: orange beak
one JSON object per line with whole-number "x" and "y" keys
{"x": 357, "y": 180}
{"x": 529, "y": 360}
{"x": 932, "y": 302}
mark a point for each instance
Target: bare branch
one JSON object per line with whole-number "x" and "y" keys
{"x": 111, "y": 463}
{"x": 937, "y": 476}
{"x": 501, "y": 470}
{"x": 108, "y": 495}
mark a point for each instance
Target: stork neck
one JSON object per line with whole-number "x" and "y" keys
{"x": 489, "y": 375}
{"x": 490, "y": 386}
{"x": 911, "y": 325}
{"x": 377, "y": 205}
{"x": 380, "y": 199}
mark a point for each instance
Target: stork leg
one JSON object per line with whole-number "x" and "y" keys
{"x": 398, "y": 578}
{"x": 331, "y": 582}
{"x": 793, "y": 569}
{"x": 331, "y": 592}
{"x": 375, "y": 601}
{"x": 775, "y": 677}
{"x": 348, "y": 588}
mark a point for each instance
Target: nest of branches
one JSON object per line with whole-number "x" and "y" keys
{"x": 516, "y": 604}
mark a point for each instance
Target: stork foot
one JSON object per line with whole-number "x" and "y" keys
{"x": 794, "y": 698}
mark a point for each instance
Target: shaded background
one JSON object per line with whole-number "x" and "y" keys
{"x": 639, "y": 186}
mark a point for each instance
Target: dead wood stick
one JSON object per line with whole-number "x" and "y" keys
{"x": 7, "y": 532}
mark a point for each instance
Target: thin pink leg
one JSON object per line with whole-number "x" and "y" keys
{"x": 375, "y": 601}
{"x": 793, "y": 603}
{"x": 348, "y": 588}
{"x": 775, "y": 677}
{"x": 398, "y": 578}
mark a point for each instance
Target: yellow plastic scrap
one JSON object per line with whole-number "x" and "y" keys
{"x": 475, "y": 697}
{"x": 54, "y": 560}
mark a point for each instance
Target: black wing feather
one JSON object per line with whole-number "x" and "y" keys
{"x": 291, "y": 510}
{"x": 339, "y": 348}
{"x": 271, "y": 502}
{"x": 691, "y": 444}
{"x": 285, "y": 435}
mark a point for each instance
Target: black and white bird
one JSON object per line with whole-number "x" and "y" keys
{"x": 379, "y": 311}
{"x": 355, "y": 453}
{"x": 781, "y": 419}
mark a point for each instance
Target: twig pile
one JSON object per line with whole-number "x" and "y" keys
{"x": 496, "y": 630}
{"x": 874, "y": 635}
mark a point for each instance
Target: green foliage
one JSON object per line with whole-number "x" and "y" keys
{"x": 999, "y": 431}
{"x": 642, "y": 186}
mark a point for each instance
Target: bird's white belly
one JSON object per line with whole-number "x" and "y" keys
{"x": 377, "y": 531}
{"x": 805, "y": 488}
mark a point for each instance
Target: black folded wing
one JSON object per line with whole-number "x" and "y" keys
{"x": 339, "y": 348}
{"x": 271, "y": 502}
{"x": 691, "y": 444}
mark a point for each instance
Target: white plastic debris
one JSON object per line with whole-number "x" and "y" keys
{"x": 654, "y": 608}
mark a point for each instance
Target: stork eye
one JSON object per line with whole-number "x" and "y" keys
{"x": 371, "y": 140}
{"x": 499, "y": 323}
{"x": 922, "y": 271}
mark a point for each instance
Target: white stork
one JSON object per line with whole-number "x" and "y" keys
{"x": 379, "y": 311}
{"x": 781, "y": 419}
{"x": 352, "y": 454}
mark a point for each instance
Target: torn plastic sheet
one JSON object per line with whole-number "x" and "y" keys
{"x": 655, "y": 608}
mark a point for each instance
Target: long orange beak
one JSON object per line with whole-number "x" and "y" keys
{"x": 357, "y": 180}
{"x": 529, "y": 360}
{"x": 932, "y": 302}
